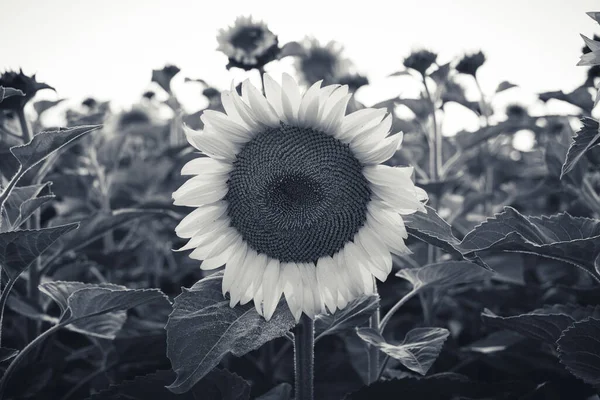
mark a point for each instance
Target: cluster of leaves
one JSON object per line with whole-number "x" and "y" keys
{"x": 497, "y": 300}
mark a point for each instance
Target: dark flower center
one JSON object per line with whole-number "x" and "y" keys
{"x": 248, "y": 38}
{"x": 296, "y": 194}
{"x": 319, "y": 64}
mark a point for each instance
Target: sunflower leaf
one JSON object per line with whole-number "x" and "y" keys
{"x": 45, "y": 143}
{"x": 355, "y": 313}
{"x": 7, "y": 353}
{"x": 202, "y": 329}
{"x": 443, "y": 274}
{"x": 6, "y": 92}
{"x": 291, "y": 49}
{"x": 504, "y": 85}
{"x": 574, "y": 240}
{"x": 23, "y": 201}
{"x": 586, "y": 138}
{"x": 19, "y": 249}
{"x": 219, "y": 384}
{"x": 43, "y": 105}
{"x": 417, "y": 352}
{"x": 545, "y": 324}
{"x": 579, "y": 350}
{"x": 100, "y": 310}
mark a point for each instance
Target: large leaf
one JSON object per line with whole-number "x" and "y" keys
{"x": 563, "y": 237}
{"x": 586, "y": 138}
{"x": 444, "y": 274}
{"x": 579, "y": 350}
{"x": 43, "y": 105}
{"x": 19, "y": 249}
{"x": 23, "y": 201}
{"x": 417, "y": 352}
{"x": 99, "y": 310}
{"x": 444, "y": 386}
{"x": 432, "y": 229}
{"x": 354, "y": 314}
{"x": 545, "y": 324}
{"x": 219, "y": 384}
{"x": 6, "y": 92}
{"x": 104, "y": 326}
{"x": 202, "y": 329}
{"x": 45, "y": 143}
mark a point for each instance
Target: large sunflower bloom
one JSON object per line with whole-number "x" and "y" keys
{"x": 292, "y": 199}
{"x": 248, "y": 44}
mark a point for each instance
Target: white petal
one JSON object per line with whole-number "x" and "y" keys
{"x": 336, "y": 96}
{"x": 205, "y": 165}
{"x": 200, "y": 216}
{"x": 223, "y": 125}
{"x": 245, "y": 112}
{"x": 258, "y": 301}
{"x": 373, "y": 136}
{"x": 244, "y": 278}
{"x": 273, "y": 94}
{"x": 292, "y": 289}
{"x": 199, "y": 195}
{"x": 261, "y": 107}
{"x": 290, "y": 99}
{"x": 332, "y": 121}
{"x": 310, "y": 103}
{"x": 327, "y": 282}
{"x": 272, "y": 287}
{"x": 211, "y": 145}
{"x": 308, "y": 301}
{"x": 223, "y": 242}
{"x": 258, "y": 270}
{"x": 381, "y": 153}
{"x": 234, "y": 266}
{"x": 380, "y": 258}
{"x": 360, "y": 123}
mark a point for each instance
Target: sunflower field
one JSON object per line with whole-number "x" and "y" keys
{"x": 288, "y": 242}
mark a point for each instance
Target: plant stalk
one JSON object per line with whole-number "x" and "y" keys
{"x": 374, "y": 351}
{"x": 304, "y": 356}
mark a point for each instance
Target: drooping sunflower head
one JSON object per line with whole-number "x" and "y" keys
{"x": 420, "y": 60}
{"x": 27, "y": 84}
{"x": 248, "y": 44}
{"x": 321, "y": 62}
{"x": 290, "y": 196}
{"x": 470, "y": 63}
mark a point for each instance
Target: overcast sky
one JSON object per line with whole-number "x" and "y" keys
{"x": 108, "y": 48}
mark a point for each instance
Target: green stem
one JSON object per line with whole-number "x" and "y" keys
{"x": 435, "y": 153}
{"x": 261, "y": 72}
{"x": 9, "y": 187}
{"x": 24, "y": 126}
{"x": 3, "y": 299}
{"x": 304, "y": 356}
{"x": 393, "y": 310}
{"x": 13, "y": 365}
{"x": 374, "y": 351}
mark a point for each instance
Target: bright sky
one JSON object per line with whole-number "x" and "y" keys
{"x": 107, "y": 49}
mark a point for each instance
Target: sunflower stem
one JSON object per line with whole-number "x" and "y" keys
{"x": 261, "y": 72}
{"x": 25, "y": 133}
{"x": 374, "y": 374}
{"x": 304, "y": 356}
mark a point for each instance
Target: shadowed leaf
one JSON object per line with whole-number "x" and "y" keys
{"x": 7, "y": 353}
{"x": 219, "y": 384}
{"x": 45, "y": 143}
{"x": 504, "y": 85}
{"x": 202, "y": 329}
{"x": 444, "y": 274}
{"x": 586, "y": 138}
{"x": 6, "y": 92}
{"x": 355, "y": 313}
{"x": 19, "y": 249}
{"x": 44, "y": 105}
{"x": 579, "y": 350}
{"x": 575, "y": 240}
{"x": 417, "y": 352}
{"x": 23, "y": 201}
{"x": 545, "y": 324}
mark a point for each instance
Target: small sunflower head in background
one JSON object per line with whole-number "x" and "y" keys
{"x": 290, "y": 195}
{"x": 470, "y": 63}
{"x": 420, "y": 60}
{"x": 354, "y": 81}
{"x": 321, "y": 62}
{"x": 26, "y": 84}
{"x": 516, "y": 111}
{"x": 248, "y": 44}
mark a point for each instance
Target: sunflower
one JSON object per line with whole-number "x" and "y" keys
{"x": 248, "y": 44}
{"x": 292, "y": 198}
{"x": 318, "y": 62}
{"x": 27, "y": 84}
